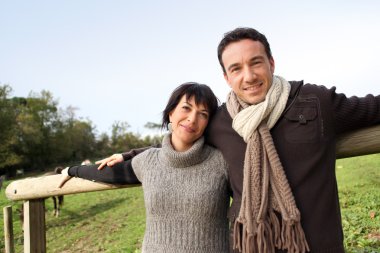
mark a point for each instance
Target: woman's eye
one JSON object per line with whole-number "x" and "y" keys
{"x": 204, "y": 115}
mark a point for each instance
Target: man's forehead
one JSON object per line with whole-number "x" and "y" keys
{"x": 244, "y": 48}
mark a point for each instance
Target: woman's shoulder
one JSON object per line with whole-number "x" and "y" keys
{"x": 217, "y": 158}
{"x": 145, "y": 156}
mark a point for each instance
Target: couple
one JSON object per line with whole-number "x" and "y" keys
{"x": 278, "y": 140}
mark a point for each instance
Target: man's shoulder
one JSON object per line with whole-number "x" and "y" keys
{"x": 221, "y": 111}
{"x": 307, "y": 88}
{"x": 296, "y": 83}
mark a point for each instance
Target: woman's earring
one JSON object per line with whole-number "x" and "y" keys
{"x": 170, "y": 127}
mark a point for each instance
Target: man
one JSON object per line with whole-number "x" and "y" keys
{"x": 279, "y": 139}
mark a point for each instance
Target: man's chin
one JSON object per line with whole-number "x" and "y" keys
{"x": 254, "y": 100}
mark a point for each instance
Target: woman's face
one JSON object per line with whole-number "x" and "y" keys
{"x": 189, "y": 121}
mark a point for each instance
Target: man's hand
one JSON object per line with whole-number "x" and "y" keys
{"x": 65, "y": 177}
{"x": 110, "y": 161}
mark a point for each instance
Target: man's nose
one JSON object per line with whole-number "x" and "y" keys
{"x": 249, "y": 75}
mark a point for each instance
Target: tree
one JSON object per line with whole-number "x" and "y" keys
{"x": 152, "y": 125}
{"x": 8, "y": 157}
{"x": 36, "y": 122}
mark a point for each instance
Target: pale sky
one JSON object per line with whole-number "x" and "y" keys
{"x": 119, "y": 60}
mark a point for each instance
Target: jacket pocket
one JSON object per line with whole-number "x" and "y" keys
{"x": 303, "y": 122}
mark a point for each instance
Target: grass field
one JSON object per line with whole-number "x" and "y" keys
{"x": 114, "y": 221}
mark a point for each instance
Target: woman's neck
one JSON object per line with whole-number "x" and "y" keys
{"x": 180, "y": 146}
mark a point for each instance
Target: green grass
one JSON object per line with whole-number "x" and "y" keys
{"x": 114, "y": 220}
{"x": 106, "y": 221}
{"x": 359, "y": 192}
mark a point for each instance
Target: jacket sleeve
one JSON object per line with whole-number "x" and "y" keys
{"x": 120, "y": 173}
{"x": 352, "y": 113}
{"x": 133, "y": 152}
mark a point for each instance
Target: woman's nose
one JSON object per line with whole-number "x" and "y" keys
{"x": 192, "y": 117}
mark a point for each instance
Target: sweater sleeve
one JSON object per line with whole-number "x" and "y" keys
{"x": 140, "y": 164}
{"x": 120, "y": 173}
{"x": 352, "y": 113}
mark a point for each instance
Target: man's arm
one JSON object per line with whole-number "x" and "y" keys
{"x": 353, "y": 113}
{"x": 117, "y": 158}
{"x": 133, "y": 152}
{"x": 120, "y": 173}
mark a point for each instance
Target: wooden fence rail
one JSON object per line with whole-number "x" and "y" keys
{"x": 34, "y": 190}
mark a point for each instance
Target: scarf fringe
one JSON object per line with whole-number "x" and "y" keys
{"x": 236, "y": 237}
{"x": 270, "y": 235}
{"x": 275, "y": 224}
{"x": 293, "y": 237}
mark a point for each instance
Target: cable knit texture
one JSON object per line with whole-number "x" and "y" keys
{"x": 186, "y": 198}
{"x": 265, "y": 186}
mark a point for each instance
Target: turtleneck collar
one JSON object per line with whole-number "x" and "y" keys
{"x": 194, "y": 155}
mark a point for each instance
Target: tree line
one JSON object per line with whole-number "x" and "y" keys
{"x": 37, "y": 135}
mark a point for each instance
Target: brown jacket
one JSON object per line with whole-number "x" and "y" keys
{"x": 305, "y": 138}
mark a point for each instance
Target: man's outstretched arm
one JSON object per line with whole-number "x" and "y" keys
{"x": 120, "y": 173}
{"x": 118, "y": 158}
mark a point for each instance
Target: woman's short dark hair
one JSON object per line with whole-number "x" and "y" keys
{"x": 201, "y": 93}
{"x": 239, "y": 34}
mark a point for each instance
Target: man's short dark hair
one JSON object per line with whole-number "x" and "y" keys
{"x": 201, "y": 93}
{"x": 239, "y": 34}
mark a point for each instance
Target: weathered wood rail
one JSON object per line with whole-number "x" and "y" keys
{"x": 34, "y": 190}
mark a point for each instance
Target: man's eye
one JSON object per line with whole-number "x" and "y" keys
{"x": 256, "y": 62}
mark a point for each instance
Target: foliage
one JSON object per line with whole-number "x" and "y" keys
{"x": 8, "y": 137}
{"x": 37, "y": 135}
{"x": 152, "y": 125}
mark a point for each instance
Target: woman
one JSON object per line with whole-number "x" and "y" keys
{"x": 184, "y": 182}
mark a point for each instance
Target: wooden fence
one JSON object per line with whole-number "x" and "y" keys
{"x": 34, "y": 190}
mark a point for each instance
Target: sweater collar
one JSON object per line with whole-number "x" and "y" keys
{"x": 195, "y": 155}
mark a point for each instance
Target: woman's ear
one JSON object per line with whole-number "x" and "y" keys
{"x": 170, "y": 116}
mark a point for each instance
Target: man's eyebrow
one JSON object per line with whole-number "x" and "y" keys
{"x": 232, "y": 66}
{"x": 258, "y": 57}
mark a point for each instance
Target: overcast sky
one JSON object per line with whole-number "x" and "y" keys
{"x": 119, "y": 60}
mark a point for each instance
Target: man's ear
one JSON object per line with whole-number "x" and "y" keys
{"x": 272, "y": 65}
{"x": 226, "y": 78}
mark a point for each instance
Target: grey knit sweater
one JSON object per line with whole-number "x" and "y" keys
{"x": 186, "y": 198}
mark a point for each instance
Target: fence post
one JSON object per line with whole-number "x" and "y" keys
{"x": 34, "y": 226}
{"x": 8, "y": 230}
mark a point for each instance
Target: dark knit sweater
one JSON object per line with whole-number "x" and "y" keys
{"x": 305, "y": 138}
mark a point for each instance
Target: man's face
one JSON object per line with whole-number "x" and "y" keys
{"x": 249, "y": 71}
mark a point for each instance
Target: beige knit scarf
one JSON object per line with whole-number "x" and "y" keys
{"x": 265, "y": 186}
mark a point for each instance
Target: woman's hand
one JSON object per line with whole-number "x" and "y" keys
{"x": 65, "y": 177}
{"x": 110, "y": 161}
